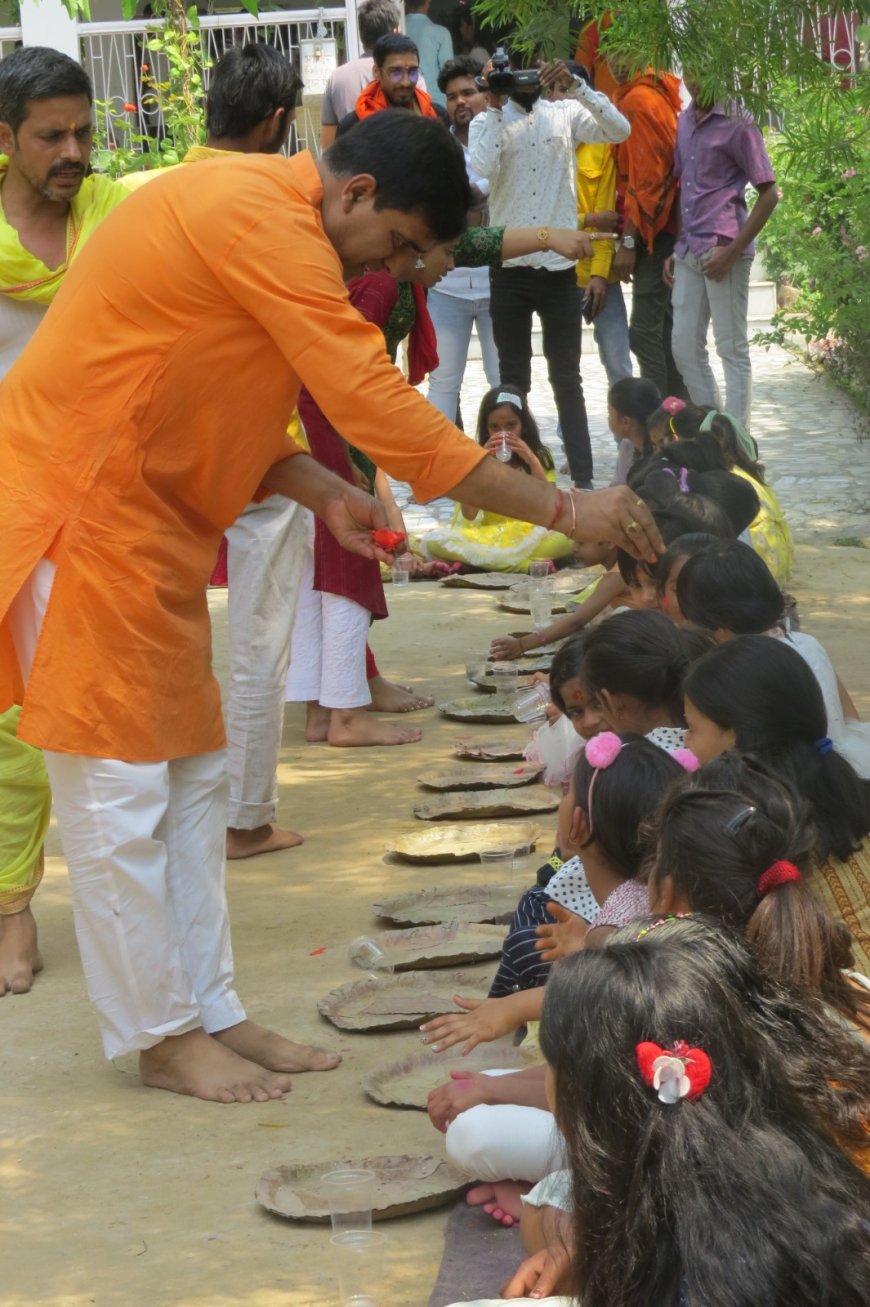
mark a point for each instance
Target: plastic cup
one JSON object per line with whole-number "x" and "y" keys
{"x": 368, "y": 955}
{"x": 539, "y": 568}
{"x": 350, "y": 1192}
{"x": 504, "y": 678}
{"x": 530, "y": 704}
{"x": 541, "y": 606}
{"x": 359, "y": 1261}
{"x": 496, "y": 859}
{"x": 476, "y": 668}
{"x": 402, "y": 571}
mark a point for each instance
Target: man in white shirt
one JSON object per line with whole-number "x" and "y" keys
{"x": 434, "y": 43}
{"x": 375, "y": 18}
{"x": 460, "y": 301}
{"x": 527, "y": 148}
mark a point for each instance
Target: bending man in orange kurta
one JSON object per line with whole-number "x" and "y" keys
{"x": 143, "y": 416}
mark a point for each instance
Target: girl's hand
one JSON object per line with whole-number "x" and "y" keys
{"x": 563, "y": 936}
{"x": 461, "y": 1092}
{"x": 538, "y": 1276}
{"x": 483, "y": 1020}
{"x": 570, "y": 243}
{"x": 504, "y": 648}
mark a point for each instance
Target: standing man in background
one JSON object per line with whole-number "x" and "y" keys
{"x": 376, "y": 18}
{"x": 434, "y": 43}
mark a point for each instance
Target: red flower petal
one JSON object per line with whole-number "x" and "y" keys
{"x": 388, "y": 540}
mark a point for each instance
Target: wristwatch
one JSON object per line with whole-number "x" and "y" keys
{"x": 627, "y": 242}
{"x": 544, "y": 236}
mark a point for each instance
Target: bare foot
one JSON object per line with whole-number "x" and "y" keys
{"x": 353, "y": 728}
{"x": 263, "y": 839}
{"x": 198, "y": 1065}
{"x": 502, "y": 1201}
{"x": 273, "y": 1051}
{"x": 20, "y": 958}
{"x": 387, "y": 696}
{"x": 316, "y": 723}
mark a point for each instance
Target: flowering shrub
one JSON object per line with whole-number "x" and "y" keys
{"x": 817, "y": 243}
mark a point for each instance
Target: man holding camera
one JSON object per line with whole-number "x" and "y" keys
{"x": 526, "y": 146}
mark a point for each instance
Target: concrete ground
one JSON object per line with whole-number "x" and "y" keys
{"x": 119, "y": 1196}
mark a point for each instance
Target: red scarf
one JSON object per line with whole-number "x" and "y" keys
{"x": 372, "y": 100}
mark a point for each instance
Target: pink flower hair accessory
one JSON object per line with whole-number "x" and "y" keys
{"x": 671, "y": 404}
{"x": 687, "y": 760}
{"x": 603, "y": 749}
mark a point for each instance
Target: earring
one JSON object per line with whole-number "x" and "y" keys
{"x": 420, "y": 264}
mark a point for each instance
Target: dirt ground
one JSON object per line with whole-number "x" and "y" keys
{"x": 119, "y": 1196}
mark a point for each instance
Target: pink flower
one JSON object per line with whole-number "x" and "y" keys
{"x": 686, "y": 759}
{"x": 849, "y": 172}
{"x": 602, "y": 749}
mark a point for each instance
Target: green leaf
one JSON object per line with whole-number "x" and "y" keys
{"x": 252, "y": 7}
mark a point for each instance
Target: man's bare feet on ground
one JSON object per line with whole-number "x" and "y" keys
{"x": 354, "y": 728}
{"x": 387, "y": 696}
{"x": 501, "y": 1201}
{"x": 272, "y": 1051}
{"x": 198, "y": 1065}
{"x": 263, "y": 839}
{"x": 20, "y": 958}
{"x": 316, "y": 723}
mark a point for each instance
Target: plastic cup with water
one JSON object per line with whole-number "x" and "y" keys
{"x": 530, "y": 705}
{"x": 503, "y": 449}
{"x": 504, "y": 677}
{"x": 541, "y": 607}
{"x": 539, "y": 569}
{"x": 402, "y": 571}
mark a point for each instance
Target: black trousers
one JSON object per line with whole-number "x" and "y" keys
{"x": 652, "y": 318}
{"x": 517, "y": 293}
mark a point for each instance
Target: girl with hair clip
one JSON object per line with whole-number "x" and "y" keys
{"x": 737, "y": 845}
{"x": 714, "y": 1125}
{"x": 606, "y": 817}
{"x": 488, "y": 541}
{"x": 758, "y": 696}
{"x": 728, "y": 590}
{"x": 718, "y": 444}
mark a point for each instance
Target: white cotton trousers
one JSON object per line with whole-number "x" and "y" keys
{"x": 504, "y": 1142}
{"x": 266, "y": 548}
{"x": 696, "y": 300}
{"x": 328, "y": 648}
{"x": 144, "y": 843}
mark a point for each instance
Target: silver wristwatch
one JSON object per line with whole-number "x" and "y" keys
{"x": 627, "y": 242}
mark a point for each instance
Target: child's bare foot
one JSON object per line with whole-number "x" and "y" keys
{"x": 198, "y": 1065}
{"x": 20, "y": 958}
{"x": 263, "y": 839}
{"x": 387, "y": 696}
{"x": 272, "y": 1051}
{"x": 502, "y": 1201}
{"x": 317, "y": 723}
{"x": 353, "y": 728}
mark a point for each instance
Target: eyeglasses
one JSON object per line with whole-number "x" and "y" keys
{"x": 396, "y": 74}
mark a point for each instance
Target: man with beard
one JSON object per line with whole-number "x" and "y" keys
{"x": 461, "y": 298}
{"x": 526, "y": 147}
{"x": 396, "y": 84}
{"x": 48, "y": 209}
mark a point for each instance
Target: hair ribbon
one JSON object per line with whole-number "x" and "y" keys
{"x": 824, "y": 745}
{"x": 508, "y": 397}
{"x": 674, "y": 1073}
{"x": 778, "y": 873}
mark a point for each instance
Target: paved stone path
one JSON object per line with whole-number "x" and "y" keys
{"x": 807, "y": 431}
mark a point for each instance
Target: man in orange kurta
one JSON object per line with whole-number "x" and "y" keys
{"x": 141, "y": 419}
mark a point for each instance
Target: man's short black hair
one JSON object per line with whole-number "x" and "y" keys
{"x": 417, "y": 166}
{"x": 246, "y": 86}
{"x": 37, "y": 73}
{"x": 461, "y": 66}
{"x": 392, "y": 43}
{"x": 376, "y": 18}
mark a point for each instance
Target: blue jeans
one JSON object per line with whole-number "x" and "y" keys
{"x": 610, "y": 330}
{"x": 453, "y": 318}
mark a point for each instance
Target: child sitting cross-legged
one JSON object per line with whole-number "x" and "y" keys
{"x": 714, "y": 1124}
{"x": 498, "y": 1128}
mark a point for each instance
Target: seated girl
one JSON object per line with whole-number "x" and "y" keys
{"x": 497, "y": 1126}
{"x": 728, "y": 590}
{"x": 758, "y": 696}
{"x": 488, "y": 541}
{"x": 736, "y": 843}
{"x": 630, "y": 402}
{"x": 713, "y": 1121}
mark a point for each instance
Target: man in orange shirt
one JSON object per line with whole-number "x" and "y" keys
{"x": 134, "y": 429}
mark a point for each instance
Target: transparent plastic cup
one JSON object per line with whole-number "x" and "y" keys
{"x": 539, "y": 568}
{"x": 476, "y": 667}
{"x": 530, "y": 705}
{"x": 368, "y": 955}
{"x": 402, "y": 571}
{"x": 359, "y": 1264}
{"x": 350, "y": 1193}
{"x": 541, "y": 606}
{"x": 504, "y": 677}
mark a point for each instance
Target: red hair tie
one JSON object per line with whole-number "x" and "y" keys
{"x": 778, "y": 873}
{"x": 676, "y": 1072}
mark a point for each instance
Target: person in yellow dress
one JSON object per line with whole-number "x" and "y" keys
{"x": 491, "y": 542}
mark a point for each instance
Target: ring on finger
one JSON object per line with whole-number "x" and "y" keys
{"x": 632, "y": 526}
